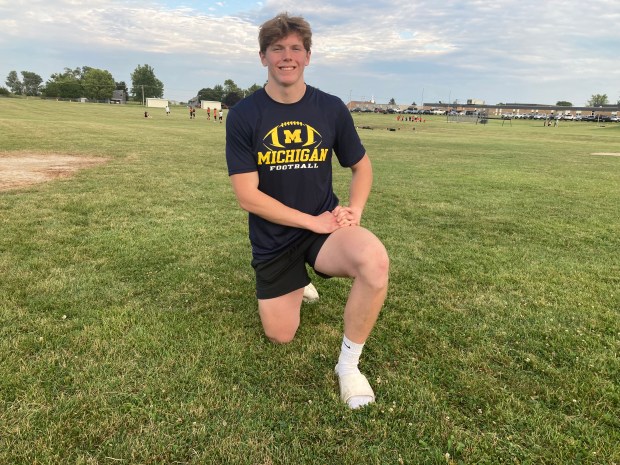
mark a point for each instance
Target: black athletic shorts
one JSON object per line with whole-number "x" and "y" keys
{"x": 287, "y": 272}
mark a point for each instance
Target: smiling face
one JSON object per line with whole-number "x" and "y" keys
{"x": 286, "y": 60}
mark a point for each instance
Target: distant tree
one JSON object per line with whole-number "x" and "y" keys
{"x": 250, "y": 90}
{"x": 4, "y": 91}
{"x": 31, "y": 83}
{"x": 122, "y": 86}
{"x": 232, "y": 98}
{"x": 75, "y": 73}
{"x": 64, "y": 85}
{"x": 598, "y": 100}
{"x": 80, "y": 73}
{"x": 145, "y": 84}
{"x": 15, "y": 85}
{"x": 230, "y": 86}
{"x": 215, "y": 95}
{"x": 51, "y": 89}
{"x": 392, "y": 101}
{"x": 229, "y": 93}
{"x": 218, "y": 90}
{"x": 563, "y": 103}
{"x": 98, "y": 84}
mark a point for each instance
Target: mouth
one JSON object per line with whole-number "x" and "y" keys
{"x": 286, "y": 68}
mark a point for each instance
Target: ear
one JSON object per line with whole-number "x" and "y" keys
{"x": 308, "y": 57}
{"x": 263, "y": 58}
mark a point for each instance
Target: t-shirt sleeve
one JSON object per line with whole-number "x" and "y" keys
{"x": 239, "y": 142}
{"x": 347, "y": 146}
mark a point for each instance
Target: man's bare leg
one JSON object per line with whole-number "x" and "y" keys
{"x": 280, "y": 316}
{"x": 356, "y": 253}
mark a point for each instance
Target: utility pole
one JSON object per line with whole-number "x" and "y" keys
{"x": 142, "y": 85}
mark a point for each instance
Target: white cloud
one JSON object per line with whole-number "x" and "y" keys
{"x": 474, "y": 47}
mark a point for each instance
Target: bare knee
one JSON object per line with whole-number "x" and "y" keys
{"x": 375, "y": 267}
{"x": 281, "y": 336}
{"x": 280, "y": 316}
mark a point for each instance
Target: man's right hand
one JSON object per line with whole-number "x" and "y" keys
{"x": 325, "y": 223}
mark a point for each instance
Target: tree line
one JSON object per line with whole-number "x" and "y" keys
{"x": 99, "y": 84}
{"x": 229, "y": 93}
{"x": 87, "y": 82}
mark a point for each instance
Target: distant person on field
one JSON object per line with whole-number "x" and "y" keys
{"x": 279, "y": 147}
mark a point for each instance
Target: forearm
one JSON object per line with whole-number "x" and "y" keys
{"x": 274, "y": 211}
{"x": 361, "y": 183}
{"x": 253, "y": 200}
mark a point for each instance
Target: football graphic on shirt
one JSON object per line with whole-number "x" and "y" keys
{"x": 292, "y": 134}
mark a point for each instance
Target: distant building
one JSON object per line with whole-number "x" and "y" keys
{"x": 157, "y": 102}
{"x": 212, "y": 104}
{"x": 512, "y": 109}
{"x": 119, "y": 96}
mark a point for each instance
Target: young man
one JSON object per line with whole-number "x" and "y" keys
{"x": 279, "y": 146}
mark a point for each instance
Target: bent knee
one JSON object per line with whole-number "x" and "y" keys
{"x": 375, "y": 266}
{"x": 280, "y": 337}
{"x": 281, "y": 334}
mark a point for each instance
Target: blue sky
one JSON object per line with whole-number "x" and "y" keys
{"x": 526, "y": 51}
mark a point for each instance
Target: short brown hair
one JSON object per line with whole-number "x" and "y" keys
{"x": 281, "y": 26}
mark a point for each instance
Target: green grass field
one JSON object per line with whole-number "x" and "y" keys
{"x": 128, "y": 323}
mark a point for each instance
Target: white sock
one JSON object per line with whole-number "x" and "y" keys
{"x": 347, "y": 363}
{"x": 349, "y": 357}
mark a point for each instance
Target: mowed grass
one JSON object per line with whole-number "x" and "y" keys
{"x": 128, "y": 323}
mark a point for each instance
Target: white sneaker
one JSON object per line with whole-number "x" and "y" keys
{"x": 310, "y": 294}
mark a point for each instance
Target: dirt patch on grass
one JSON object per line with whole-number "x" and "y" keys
{"x": 607, "y": 154}
{"x": 19, "y": 170}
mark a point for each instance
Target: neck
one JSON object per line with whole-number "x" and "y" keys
{"x": 290, "y": 94}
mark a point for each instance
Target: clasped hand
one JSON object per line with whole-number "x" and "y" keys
{"x": 339, "y": 217}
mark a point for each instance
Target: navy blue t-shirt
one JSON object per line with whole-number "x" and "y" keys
{"x": 290, "y": 146}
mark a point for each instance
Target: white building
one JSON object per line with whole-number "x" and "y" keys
{"x": 212, "y": 104}
{"x": 156, "y": 102}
